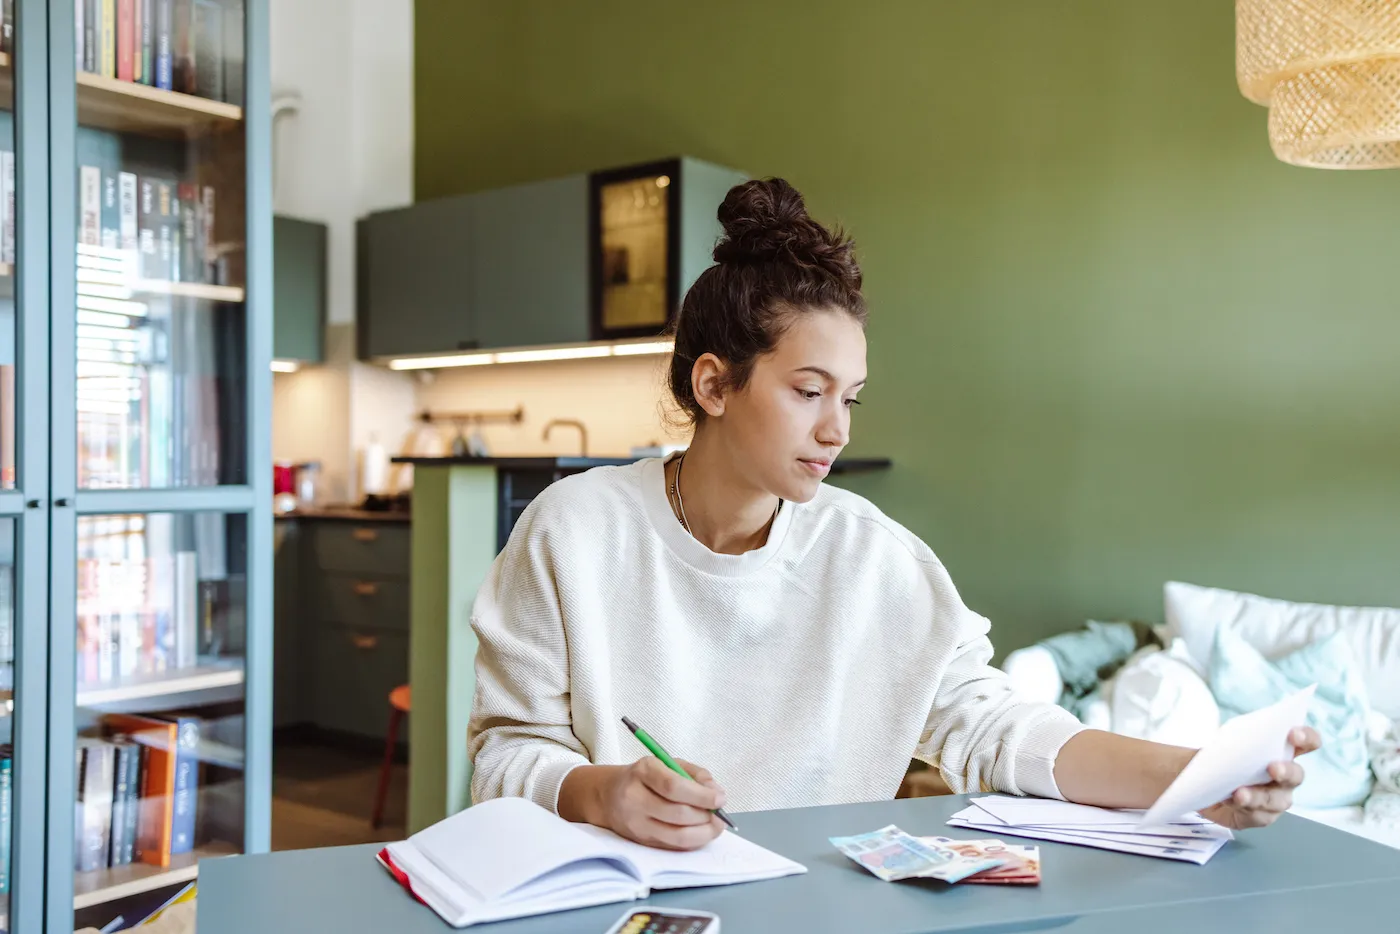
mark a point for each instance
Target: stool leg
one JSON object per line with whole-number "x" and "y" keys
{"x": 382, "y": 792}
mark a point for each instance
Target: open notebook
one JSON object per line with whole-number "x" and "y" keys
{"x": 508, "y": 858}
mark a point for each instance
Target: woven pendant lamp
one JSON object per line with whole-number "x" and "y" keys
{"x": 1329, "y": 72}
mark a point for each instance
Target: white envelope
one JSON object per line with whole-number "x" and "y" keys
{"x": 1190, "y": 837}
{"x": 1237, "y": 754}
{"x": 1045, "y": 811}
{"x": 1197, "y": 856}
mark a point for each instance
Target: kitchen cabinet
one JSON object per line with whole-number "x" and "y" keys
{"x": 342, "y": 618}
{"x": 298, "y": 289}
{"x": 532, "y": 265}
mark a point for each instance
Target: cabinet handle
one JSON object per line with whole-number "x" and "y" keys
{"x": 364, "y": 642}
{"x": 365, "y": 588}
{"x": 365, "y": 535}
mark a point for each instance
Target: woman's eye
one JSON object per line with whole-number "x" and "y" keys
{"x": 809, "y": 393}
{"x": 851, "y": 402}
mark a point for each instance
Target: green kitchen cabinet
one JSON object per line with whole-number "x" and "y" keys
{"x": 530, "y": 263}
{"x": 414, "y": 290}
{"x": 298, "y": 289}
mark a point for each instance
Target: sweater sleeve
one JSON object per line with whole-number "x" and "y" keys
{"x": 980, "y": 734}
{"x": 520, "y": 737}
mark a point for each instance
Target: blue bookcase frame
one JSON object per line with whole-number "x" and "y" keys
{"x": 46, "y": 504}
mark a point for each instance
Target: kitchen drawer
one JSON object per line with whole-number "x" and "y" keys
{"x": 355, "y": 671}
{"x": 363, "y": 601}
{"x": 363, "y": 547}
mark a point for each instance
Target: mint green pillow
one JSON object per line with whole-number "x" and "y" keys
{"x": 1243, "y": 680}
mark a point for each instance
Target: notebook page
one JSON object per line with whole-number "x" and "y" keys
{"x": 500, "y": 845}
{"x": 727, "y": 859}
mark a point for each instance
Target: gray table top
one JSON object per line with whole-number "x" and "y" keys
{"x": 1294, "y": 876}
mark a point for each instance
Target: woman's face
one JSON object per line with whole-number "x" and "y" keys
{"x": 793, "y": 417}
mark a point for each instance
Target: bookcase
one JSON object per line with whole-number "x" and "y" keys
{"x": 135, "y": 495}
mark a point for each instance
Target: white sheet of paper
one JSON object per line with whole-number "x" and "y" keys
{"x": 1238, "y": 754}
{"x": 1206, "y": 838}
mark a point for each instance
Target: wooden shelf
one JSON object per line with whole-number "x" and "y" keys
{"x": 167, "y": 684}
{"x": 106, "y": 885}
{"x": 128, "y": 107}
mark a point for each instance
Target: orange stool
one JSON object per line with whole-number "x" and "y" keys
{"x": 399, "y": 703}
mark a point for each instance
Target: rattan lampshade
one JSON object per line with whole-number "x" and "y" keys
{"x": 1329, "y": 72}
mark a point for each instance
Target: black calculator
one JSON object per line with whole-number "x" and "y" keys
{"x": 666, "y": 921}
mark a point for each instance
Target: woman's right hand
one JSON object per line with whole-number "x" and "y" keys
{"x": 646, "y": 802}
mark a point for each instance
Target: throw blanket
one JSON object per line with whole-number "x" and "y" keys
{"x": 1090, "y": 655}
{"x": 1383, "y": 807}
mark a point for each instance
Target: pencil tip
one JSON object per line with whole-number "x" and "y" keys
{"x": 629, "y": 724}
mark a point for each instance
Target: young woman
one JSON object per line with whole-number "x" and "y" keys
{"x": 786, "y": 634}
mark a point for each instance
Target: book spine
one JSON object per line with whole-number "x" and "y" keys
{"x": 135, "y": 782}
{"x": 212, "y": 268}
{"x": 164, "y": 231}
{"x": 92, "y": 35}
{"x": 7, "y": 207}
{"x": 111, "y": 212}
{"x": 191, "y": 242}
{"x": 182, "y": 45}
{"x": 109, "y": 38}
{"x": 80, "y": 33}
{"x": 119, "y": 795}
{"x": 136, "y": 12}
{"x": 90, "y": 205}
{"x": 232, "y": 53}
{"x": 182, "y": 816}
{"x": 127, "y": 237}
{"x": 6, "y": 801}
{"x": 147, "y": 39}
{"x": 146, "y": 228}
{"x": 95, "y": 805}
{"x": 126, "y": 40}
{"x": 164, "y": 64}
{"x": 207, "y": 48}
{"x": 186, "y": 609}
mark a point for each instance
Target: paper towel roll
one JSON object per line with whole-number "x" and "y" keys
{"x": 375, "y": 470}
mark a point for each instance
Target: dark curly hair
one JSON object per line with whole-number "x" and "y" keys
{"x": 772, "y": 264}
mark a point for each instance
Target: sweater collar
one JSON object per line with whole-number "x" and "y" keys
{"x": 690, "y": 549}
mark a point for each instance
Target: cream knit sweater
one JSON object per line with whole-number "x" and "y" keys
{"x": 806, "y": 672}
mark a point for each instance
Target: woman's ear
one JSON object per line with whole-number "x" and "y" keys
{"x": 707, "y": 382}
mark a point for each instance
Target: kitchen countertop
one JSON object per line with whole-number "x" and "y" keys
{"x": 842, "y": 465}
{"x": 347, "y": 514}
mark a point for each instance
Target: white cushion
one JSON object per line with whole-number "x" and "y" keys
{"x": 1277, "y": 627}
{"x": 1160, "y": 697}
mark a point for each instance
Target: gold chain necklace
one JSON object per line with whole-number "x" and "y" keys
{"x": 680, "y": 503}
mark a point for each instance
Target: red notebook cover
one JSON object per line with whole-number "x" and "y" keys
{"x": 399, "y": 875}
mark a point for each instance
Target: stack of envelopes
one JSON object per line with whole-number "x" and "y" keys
{"x": 1191, "y": 838}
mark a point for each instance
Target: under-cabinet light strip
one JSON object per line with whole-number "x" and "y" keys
{"x": 580, "y": 352}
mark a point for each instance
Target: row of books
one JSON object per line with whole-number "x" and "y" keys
{"x": 7, "y": 206}
{"x": 7, "y": 771}
{"x": 154, "y": 228}
{"x": 151, "y": 593}
{"x": 137, "y": 789}
{"x": 191, "y": 46}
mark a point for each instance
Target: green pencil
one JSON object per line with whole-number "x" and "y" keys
{"x": 655, "y": 748}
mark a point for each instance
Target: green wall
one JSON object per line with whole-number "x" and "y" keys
{"x": 1112, "y": 340}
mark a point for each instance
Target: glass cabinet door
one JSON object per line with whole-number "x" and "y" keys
{"x": 160, "y": 388}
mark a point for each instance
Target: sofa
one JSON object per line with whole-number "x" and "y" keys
{"x": 1218, "y": 646}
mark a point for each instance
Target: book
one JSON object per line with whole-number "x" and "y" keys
{"x": 7, "y": 27}
{"x": 510, "y": 858}
{"x": 164, "y": 21}
{"x": 207, "y": 48}
{"x": 7, "y": 207}
{"x": 79, "y": 34}
{"x": 96, "y": 761}
{"x": 91, "y": 34}
{"x": 213, "y": 268}
{"x": 147, "y": 222}
{"x": 7, "y": 793}
{"x": 90, "y": 205}
{"x": 126, "y": 40}
{"x": 146, "y": 42}
{"x": 182, "y": 46}
{"x": 127, "y": 237}
{"x": 233, "y": 51}
{"x": 118, "y": 853}
{"x": 182, "y": 815}
{"x": 108, "y": 39}
{"x": 165, "y": 229}
{"x": 185, "y": 611}
{"x": 110, "y": 218}
{"x": 158, "y": 739}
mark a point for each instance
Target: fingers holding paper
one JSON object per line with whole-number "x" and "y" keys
{"x": 1260, "y": 805}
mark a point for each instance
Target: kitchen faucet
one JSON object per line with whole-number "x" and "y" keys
{"x": 573, "y": 423}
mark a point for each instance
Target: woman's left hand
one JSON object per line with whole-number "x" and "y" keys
{"x": 1260, "y": 805}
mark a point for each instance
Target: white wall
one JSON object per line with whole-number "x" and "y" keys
{"x": 348, "y": 150}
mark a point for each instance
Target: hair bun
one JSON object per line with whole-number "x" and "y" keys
{"x": 766, "y": 221}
